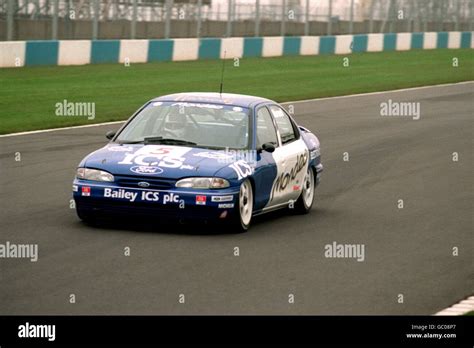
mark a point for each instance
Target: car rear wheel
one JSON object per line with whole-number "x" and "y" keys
{"x": 244, "y": 210}
{"x": 305, "y": 200}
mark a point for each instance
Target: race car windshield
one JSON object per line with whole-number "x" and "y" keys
{"x": 190, "y": 124}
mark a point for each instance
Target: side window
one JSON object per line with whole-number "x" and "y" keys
{"x": 266, "y": 132}
{"x": 285, "y": 126}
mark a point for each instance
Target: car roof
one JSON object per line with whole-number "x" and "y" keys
{"x": 215, "y": 98}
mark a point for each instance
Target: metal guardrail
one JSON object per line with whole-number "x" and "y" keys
{"x": 309, "y": 17}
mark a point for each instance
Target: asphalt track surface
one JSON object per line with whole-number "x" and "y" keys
{"x": 408, "y": 251}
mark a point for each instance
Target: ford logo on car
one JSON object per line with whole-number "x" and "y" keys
{"x": 143, "y": 184}
{"x": 146, "y": 170}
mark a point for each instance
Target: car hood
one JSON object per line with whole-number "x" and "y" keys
{"x": 165, "y": 161}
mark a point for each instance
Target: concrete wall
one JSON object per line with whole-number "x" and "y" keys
{"x": 77, "y": 52}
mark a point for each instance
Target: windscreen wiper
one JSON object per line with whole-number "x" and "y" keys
{"x": 161, "y": 140}
{"x": 128, "y": 142}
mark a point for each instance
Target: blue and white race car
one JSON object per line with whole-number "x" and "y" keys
{"x": 211, "y": 156}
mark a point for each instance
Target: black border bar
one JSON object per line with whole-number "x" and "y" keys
{"x": 219, "y": 330}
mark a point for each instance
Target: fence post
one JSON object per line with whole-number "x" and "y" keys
{"x": 471, "y": 17}
{"x": 392, "y": 11}
{"x": 283, "y": 18}
{"x": 330, "y": 18}
{"x": 54, "y": 26}
{"x": 133, "y": 23}
{"x": 10, "y": 13}
{"x": 169, "y": 6}
{"x": 306, "y": 19}
{"x": 95, "y": 21}
{"x": 67, "y": 21}
{"x": 409, "y": 16}
{"x": 199, "y": 18}
{"x": 371, "y": 14}
{"x": 351, "y": 23}
{"x": 229, "y": 18}
{"x": 257, "y": 18}
{"x": 456, "y": 16}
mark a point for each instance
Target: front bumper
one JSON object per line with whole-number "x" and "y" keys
{"x": 109, "y": 198}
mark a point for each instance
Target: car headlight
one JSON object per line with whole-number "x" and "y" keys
{"x": 203, "y": 183}
{"x": 93, "y": 174}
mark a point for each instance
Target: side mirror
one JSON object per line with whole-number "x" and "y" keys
{"x": 110, "y": 134}
{"x": 269, "y": 147}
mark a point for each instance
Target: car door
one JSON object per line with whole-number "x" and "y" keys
{"x": 266, "y": 168}
{"x": 291, "y": 158}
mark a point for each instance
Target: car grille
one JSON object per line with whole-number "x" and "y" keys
{"x": 155, "y": 183}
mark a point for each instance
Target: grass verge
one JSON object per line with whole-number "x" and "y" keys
{"x": 28, "y": 95}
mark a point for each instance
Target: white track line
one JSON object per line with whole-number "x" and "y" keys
{"x": 460, "y": 308}
{"x": 293, "y": 102}
{"x": 381, "y": 92}
{"x": 59, "y": 129}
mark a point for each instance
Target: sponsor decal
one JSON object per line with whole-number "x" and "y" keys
{"x": 170, "y": 198}
{"x": 86, "y": 191}
{"x": 242, "y": 168}
{"x": 226, "y": 205}
{"x": 147, "y": 196}
{"x": 198, "y": 105}
{"x": 157, "y": 156}
{"x": 186, "y": 166}
{"x": 296, "y": 187}
{"x": 146, "y": 170}
{"x": 121, "y": 194}
{"x": 74, "y": 188}
{"x": 284, "y": 179}
{"x": 150, "y": 196}
{"x": 160, "y": 150}
{"x": 222, "y": 198}
{"x": 200, "y": 200}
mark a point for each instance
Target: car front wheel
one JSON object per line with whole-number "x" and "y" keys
{"x": 305, "y": 200}
{"x": 245, "y": 207}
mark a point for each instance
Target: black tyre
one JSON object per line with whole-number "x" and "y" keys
{"x": 244, "y": 210}
{"x": 305, "y": 201}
